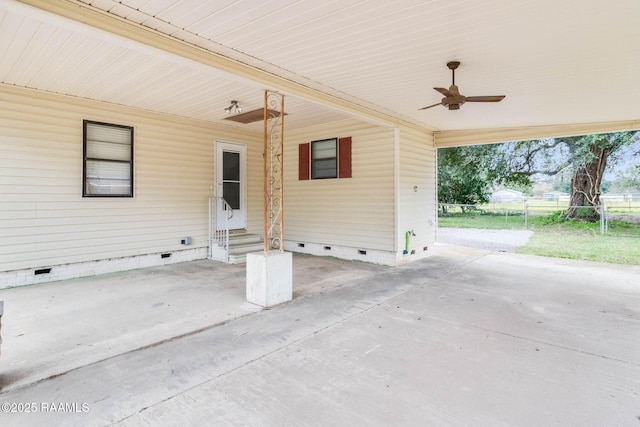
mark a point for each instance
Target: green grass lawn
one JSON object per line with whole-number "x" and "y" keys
{"x": 570, "y": 239}
{"x": 476, "y": 220}
{"x": 591, "y": 247}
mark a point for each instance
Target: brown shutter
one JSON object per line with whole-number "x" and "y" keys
{"x": 304, "y": 160}
{"x": 344, "y": 157}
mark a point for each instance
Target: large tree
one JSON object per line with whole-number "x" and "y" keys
{"x": 468, "y": 173}
{"x": 590, "y": 155}
{"x": 461, "y": 177}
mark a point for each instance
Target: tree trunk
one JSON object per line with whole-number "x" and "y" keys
{"x": 585, "y": 186}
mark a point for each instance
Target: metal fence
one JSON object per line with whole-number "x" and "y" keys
{"x": 514, "y": 215}
{"x": 622, "y": 221}
{"x": 616, "y": 218}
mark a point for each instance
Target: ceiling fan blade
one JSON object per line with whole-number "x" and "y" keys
{"x": 485, "y": 98}
{"x": 430, "y": 106}
{"x": 443, "y": 91}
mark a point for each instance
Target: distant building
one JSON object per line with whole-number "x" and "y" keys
{"x": 614, "y": 197}
{"x": 555, "y": 196}
{"x": 507, "y": 196}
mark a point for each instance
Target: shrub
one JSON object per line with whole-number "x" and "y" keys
{"x": 557, "y": 217}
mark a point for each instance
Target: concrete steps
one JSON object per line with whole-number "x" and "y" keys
{"x": 241, "y": 243}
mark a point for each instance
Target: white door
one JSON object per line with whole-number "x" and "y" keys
{"x": 231, "y": 183}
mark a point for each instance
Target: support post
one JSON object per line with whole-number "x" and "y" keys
{"x": 269, "y": 278}
{"x": 270, "y": 273}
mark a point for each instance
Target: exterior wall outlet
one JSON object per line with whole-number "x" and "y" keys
{"x": 186, "y": 241}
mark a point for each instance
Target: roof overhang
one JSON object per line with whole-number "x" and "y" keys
{"x": 376, "y": 61}
{"x": 491, "y": 136}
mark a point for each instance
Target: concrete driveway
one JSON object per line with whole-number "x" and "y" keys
{"x": 466, "y": 337}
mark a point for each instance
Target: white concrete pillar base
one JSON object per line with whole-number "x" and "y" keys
{"x": 269, "y": 278}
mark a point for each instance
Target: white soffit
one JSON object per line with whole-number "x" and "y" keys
{"x": 559, "y": 63}
{"x": 43, "y": 51}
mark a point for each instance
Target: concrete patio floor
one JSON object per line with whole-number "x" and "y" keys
{"x": 465, "y": 337}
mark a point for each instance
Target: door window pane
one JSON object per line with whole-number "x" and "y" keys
{"x": 230, "y": 166}
{"x": 231, "y": 193}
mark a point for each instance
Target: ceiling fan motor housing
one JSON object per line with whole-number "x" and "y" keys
{"x": 454, "y": 102}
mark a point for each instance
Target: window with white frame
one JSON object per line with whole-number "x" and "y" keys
{"x": 324, "y": 158}
{"x": 108, "y": 160}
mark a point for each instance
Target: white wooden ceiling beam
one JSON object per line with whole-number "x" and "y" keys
{"x": 488, "y": 136}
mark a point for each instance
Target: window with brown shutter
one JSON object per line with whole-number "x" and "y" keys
{"x": 344, "y": 157}
{"x": 304, "y": 158}
{"x": 325, "y": 159}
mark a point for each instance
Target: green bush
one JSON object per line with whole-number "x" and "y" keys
{"x": 557, "y": 217}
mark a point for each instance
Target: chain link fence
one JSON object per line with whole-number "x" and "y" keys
{"x": 622, "y": 220}
{"x": 616, "y": 218}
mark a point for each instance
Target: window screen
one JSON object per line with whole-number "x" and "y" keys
{"x": 324, "y": 160}
{"x": 108, "y": 160}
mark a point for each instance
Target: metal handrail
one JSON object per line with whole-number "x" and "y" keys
{"x": 227, "y": 207}
{"x": 219, "y": 238}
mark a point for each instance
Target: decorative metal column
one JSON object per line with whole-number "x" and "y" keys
{"x": 273, "y": 169}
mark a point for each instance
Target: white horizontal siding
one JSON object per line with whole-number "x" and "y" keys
{"x": 44, "y": 220}
{"x": 255, "y": 186}
{"x": 354, "y": 212}
{"x": 417, "y": 188}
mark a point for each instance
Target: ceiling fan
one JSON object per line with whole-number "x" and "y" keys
{"x": 452, "y": 97}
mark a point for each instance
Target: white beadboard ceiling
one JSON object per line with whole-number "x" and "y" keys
{"x": 558, "y": 62}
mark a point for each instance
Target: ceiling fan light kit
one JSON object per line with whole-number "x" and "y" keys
{"x": 453, "y": 99}
{"x": 233, "y": 107}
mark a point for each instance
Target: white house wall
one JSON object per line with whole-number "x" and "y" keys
{"x": 46, "y": 223}
{"x": 417, "y": 193}
{"x": 350, "y": 218}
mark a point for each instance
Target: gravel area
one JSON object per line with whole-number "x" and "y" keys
{"x": 493, "y": 240}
